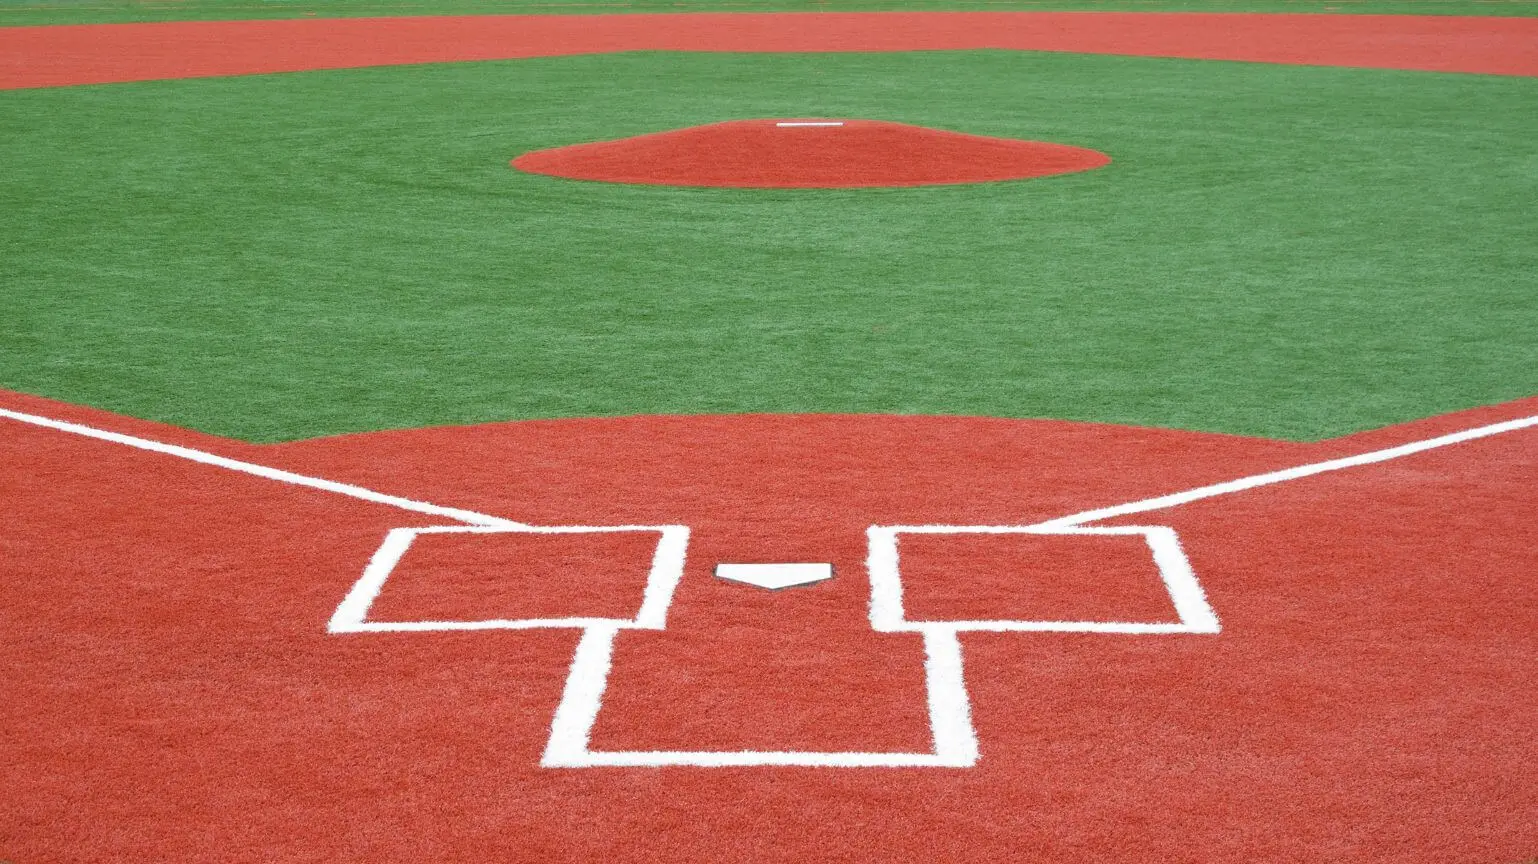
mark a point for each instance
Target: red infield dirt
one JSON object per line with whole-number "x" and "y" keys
{"x": 104, "y": 53}
{"x": 809, "y": 154}
{"x": 172, "y": 692}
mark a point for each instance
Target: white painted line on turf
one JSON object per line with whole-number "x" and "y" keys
{"x": 667, "y": 568}
{"x": 1164, "y": 502}
{"x": 1180, "y": 580}
{"x": 667, "y": 571}
{"x": 949, "y": 705}
{"x": 811, "y": 123}
{"x": 955, "y": 738}
{"x": 950, "y": 720}
{"x": 757, "y": 759}
{"x": 354, "y": 607}
{"x": 1194, "y": 612}
{"x": 572, "y": 726}
{"x": 1187, "y": 599}
{"x": 263, "y": 471}
{"x": 950, "y": 709}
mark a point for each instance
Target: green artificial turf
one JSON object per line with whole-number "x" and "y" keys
{"x": 1283, "y": 251}
{"x": 20, "y": 12}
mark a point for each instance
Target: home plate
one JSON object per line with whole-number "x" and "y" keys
{"x": 775, "y": 576}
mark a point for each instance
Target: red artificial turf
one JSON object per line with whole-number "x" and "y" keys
{"x": 102, "y": 53}
{"x": 172, "y": 693}
{"x": 472, "y": 577}
{"x": 1026, "y": 577}
{"x": 768, "y": 154}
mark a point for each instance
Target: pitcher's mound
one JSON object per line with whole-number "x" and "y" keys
{"x": 814, "y": 154}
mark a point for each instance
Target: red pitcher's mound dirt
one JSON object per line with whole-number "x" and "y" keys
{"x": 810, "y": 154}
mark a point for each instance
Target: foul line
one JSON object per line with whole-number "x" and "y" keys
{"x": 1175, "y": 499}
{"x": 1162, "y": 502}
{"x": 278, "y": 474}
{"x": 955, "y": 739}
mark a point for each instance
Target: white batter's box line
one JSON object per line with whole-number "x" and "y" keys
{"x": 667, "y": 569}
{"x": 954, "y": 738}
{"x": 1190, "y": 604}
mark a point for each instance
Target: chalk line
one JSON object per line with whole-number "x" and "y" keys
{"x": 1162, "y": 502}
{"x": 955, "y": 740}
{"x": 263, "y": 471}
{"x": 1175, "y": 499}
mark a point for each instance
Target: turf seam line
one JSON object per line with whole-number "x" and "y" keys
{"x": 263, "y": 471}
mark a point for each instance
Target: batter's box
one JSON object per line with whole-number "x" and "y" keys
{"x": 1127, "y": 579}
{"x": 479, "y": 578}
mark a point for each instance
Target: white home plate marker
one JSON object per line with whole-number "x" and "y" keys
{"x": 775, "y": 576}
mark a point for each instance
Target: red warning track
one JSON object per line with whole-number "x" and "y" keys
{"x": 104, "y": 53}
{"x": 172, "y": 693}
{"x": 809, "y": 154}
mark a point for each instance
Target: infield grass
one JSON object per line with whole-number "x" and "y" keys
{"x": 1283, "y": 251}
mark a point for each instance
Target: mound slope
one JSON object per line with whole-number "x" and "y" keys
{"x": 820, "y": 154}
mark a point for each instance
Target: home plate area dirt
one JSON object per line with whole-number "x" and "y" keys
{"x": 809, "y": 154}
{"x": 170, "y": 645}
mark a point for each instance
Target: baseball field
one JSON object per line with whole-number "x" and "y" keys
{"x": 943, "y": 431}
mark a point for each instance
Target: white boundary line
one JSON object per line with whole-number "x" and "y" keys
{"x": 263, "y": 471}
{"x": 667, "y": 568}
{"x": 955, "y": 738}
{"x": 1185, "y": 591}
{"x": 471, "y": 517}
{"x": 1164, "y": 502}
{"x": 950, "y": 721}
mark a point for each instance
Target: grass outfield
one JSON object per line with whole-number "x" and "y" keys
{"x": 1282, "y": 251}
{"x": 23, "y": 12}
